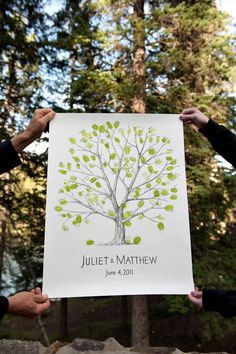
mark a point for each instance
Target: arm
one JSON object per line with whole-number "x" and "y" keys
{"x": 221, "y": 301}
{"x": 3, "y": 306}
{"x": 222, "y": 140}
{"x": 9, "y": 149}
{"x": 28, "y": 304}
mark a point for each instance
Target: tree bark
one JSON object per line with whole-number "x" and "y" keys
{"x": 140, "y": 321}
{"x": 139, "y": 72}
{"x": 140, "y": 316}
{"x": 63, "y": 319}
{"x": 2, "y": 249}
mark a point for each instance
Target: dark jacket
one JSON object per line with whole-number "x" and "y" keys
{"x": 8, "y": 156}
{"x": 8, "y": 160}
{"x": 224, "y": 142}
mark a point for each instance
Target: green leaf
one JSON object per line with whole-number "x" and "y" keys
{"x": 150, "y": 169}
{"x": 63, "y": 202}
{"x": 110, "y": 126}
{"x": 95, "y": 126}
{"x": 69, "y": 166}
{"x": 90, "y": 242}
{"x": 141, "y": 204}
{"x": 164, "y": 192}
{"x": 173, "y": 197}
{"x": 158, "y": 180}
{"x": 86, "y": 158}
{"x": 72, "y": 151}
{"x": 129, "y": 175}
{"x": 84, "y": 133}
{"x": 143, "y": 160}
{"x": 174, "y": 190}
{"x": 63, "y": 172}
{"x": 72, "y": 140}
{"x": 128, "y": 223}
{"x": 58, "y": 208}
{"x": 140, "y": 132}
{"x": 141, "y": 140}
{"x": 173, "y": 162}
{"x": 127, "y": 214}
{"x": 102, "y": 129}
{"x": 73, "y": 186}
{"x": 160, "y": 226}
{"x": 169, "y": 207}
{"x": 137, "y": 240}
{"x": 92, "y": 180}
{"x": 116, "y": 124}
{"x": 127, "y": 150}
{"x": 171, "y": 176}
{"x": 67, "y": 188}
{"x": 117, "y": 140}
{"x": 78, "y": 219}
{"x": 148, "y": 185}
{"x": 93, "y": 157}
{"x": 76, "y": 159}
{"x": 170, "y": 168}
{"x": 111, "y": 213}
{"x": 107, "y": 146}
{"x": 151, "y": 151}
{"x": 112, "y": 156}
{"x": 156, "y": 193}
{"x": 98, "y": 184}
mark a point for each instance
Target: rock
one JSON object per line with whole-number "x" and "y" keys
{"x": 83, "y": 344}
{"x": 21, "y": 347}
{"x": 112, "y": 345}
{"x": 155, "y": 350}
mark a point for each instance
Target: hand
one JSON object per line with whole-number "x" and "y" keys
{"x": 34, "y": 130}
{"x": 28, "y": 304}
{"x": 196, "y": 297}
{"x": 194, "y": 116}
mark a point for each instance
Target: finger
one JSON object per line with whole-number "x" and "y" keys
{"x": 43, "y": 307}
{"x": 38, "y": 291}
{"x": 196, "y": 294}
{"x": 43, "y": 111}
{"x": 39, "y": 299}
{"x": 48, "y": 117}
{"x": 189, "y": 110}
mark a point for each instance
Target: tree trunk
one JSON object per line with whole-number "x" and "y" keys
{"x": 63, "y": 334}
{"x": 139, "y": 72}
{"x": 2, "y": 249}
{"x": 140, "y": 316}
{"x": 140, "y": 321}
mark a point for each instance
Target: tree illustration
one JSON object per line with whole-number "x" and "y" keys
{"x": 119, "y": 174}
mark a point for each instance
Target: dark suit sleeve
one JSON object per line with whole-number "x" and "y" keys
{"x": 8, "y": 156}
{"x": 221, "y": 301}
{"x": 3, "y": 306}
{"x": 222, "y": 140}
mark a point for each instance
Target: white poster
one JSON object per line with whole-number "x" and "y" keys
{"x": 117, "y": 212}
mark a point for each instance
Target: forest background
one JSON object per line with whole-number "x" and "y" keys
{"x": 152, "y": 56}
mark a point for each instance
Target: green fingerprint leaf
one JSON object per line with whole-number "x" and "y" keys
{"x": 72, "y": 140}
{"x": 160, "y": 226}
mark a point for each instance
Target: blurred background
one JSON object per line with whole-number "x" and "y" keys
{"x": 153, "y": 56}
